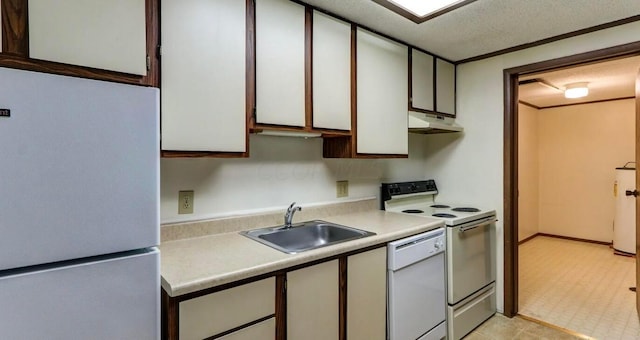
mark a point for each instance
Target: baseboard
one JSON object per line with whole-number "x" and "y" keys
{"x": 550, "y": 325}
{"x": 564, "y": 238}
{"x": 528, "y": 238}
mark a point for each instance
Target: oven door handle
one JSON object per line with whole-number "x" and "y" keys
{"x": 467, "y": 228}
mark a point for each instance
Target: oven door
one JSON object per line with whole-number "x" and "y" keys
{"x": 471, "y": 254}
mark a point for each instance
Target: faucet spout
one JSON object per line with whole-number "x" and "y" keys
{"x": 288, "y": 216}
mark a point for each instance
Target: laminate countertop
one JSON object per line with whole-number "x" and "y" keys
{"x": 193, "y": 264}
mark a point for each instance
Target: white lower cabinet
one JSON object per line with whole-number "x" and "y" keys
{"x": 216, "y": 313}
{"x": 313, "y": 302}
{"x": 264, "y": 330}
{"x": 367, "y": 295}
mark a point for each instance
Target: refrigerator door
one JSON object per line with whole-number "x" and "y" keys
{"x": 113, "y": 298}
{"x": 80, "y": 168}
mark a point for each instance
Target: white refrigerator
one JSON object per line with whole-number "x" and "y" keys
{"x": 79, "y": 208}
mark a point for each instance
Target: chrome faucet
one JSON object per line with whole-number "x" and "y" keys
{"x": 288, "y": 216}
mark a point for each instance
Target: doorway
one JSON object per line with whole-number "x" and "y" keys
{"x": 511, "y": 166}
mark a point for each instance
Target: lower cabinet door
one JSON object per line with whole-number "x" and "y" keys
{"x": 312, "y": 302}
{"x": 265, "y": 330}
{"x": 219, "y": 312}
{"x": 367, "y": 295}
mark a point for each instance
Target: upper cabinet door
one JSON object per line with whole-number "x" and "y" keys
{"x": 445, "y": 87}
{"x": 108, "y": 35}
{"x": 331, "y": 73}
{"x": 382, "y": 91}
{"x": 280, "y": 63}
{"x": 203, "y": 75}
{"x": 421, "y": 81}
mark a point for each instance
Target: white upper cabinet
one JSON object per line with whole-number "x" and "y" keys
{"x": 108, "y": 35}
{"x": 382, "y": 92}
{"x": 421, "y": 80}
{"x": 331, "y": 73}
{"x": 203, "y": 75}
{"x": 280, "y": 63}
{"x": 445, "y": 87}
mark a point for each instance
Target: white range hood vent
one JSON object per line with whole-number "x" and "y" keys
{"x": 429, "y": 123}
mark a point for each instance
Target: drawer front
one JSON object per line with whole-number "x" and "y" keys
{"x": 265, "y": 330}
{"x": 215, "y": 313}
{"x": 471, "y": 312}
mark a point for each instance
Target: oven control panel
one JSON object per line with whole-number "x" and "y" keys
{"x": 388, "y": 190}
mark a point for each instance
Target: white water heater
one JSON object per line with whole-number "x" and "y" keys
{"x": 624, "y": 222}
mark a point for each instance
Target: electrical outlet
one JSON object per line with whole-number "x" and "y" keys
{"x": 185, "y": 202}
{"x": 342, "y": 189}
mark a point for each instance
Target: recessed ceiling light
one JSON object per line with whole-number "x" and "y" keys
{"x": 422, "y": 10}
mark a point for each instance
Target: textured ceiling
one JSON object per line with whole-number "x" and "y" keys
{"x": 484, "y": 26}
{"x": 607, "y": 80}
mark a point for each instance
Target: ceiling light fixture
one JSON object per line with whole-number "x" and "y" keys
{"x": 576, "y": 90}
{"x": 420, "y": 11}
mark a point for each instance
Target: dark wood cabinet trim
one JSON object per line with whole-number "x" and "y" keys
{"x": 250, "y": 69}
{"x": 435, "y": 84}
{"x": 192, "y": 154}
{"x": 153, "y": 43}
{"x": 15, "y": 27}
{"x": 281, "y": 306}
{"x": 170, "y": 317}
{"x": 342, "y": 294}
{"x": 354, "y": 90}
{"x": 308, "y": 66}
{"x": 410, "y": 79}
{"x": 15, "y": 48}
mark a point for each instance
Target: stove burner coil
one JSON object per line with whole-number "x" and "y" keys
{"x": 413, "y": 211}
{"x": 440, "y": 206}
{"x": 466, "y": 209}
{"x": 444, "y": 215}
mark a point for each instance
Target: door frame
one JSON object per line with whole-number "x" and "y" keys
{"x": 510, "y": 180}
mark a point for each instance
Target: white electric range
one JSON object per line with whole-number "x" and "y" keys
{"x": 470, "y": 250}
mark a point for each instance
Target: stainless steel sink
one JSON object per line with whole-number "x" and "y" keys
{"x": 305, "y": 236}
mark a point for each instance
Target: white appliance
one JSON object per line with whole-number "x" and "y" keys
{"x": 624, "y": 222}
{"x": 79, "y": 209}
{"x": 416, "y": 277}
{"x": 471, "y": 251}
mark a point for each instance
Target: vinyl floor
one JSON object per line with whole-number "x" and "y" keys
{"x": 578, "y": 286}
{"x": 500, "y": 327}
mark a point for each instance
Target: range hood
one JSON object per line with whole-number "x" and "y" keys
{"x": 429, "y": 123}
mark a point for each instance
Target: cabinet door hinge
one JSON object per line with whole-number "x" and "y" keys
{"x": 254, "y": 113}
{"x": 148, "y": 63}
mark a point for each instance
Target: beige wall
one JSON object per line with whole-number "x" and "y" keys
{"x": 280, "y": 170}
{"x": 528, "y": 175}
{"x": 580, "y": 146}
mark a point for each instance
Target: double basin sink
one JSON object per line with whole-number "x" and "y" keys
{"x": 305, "y": 236}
